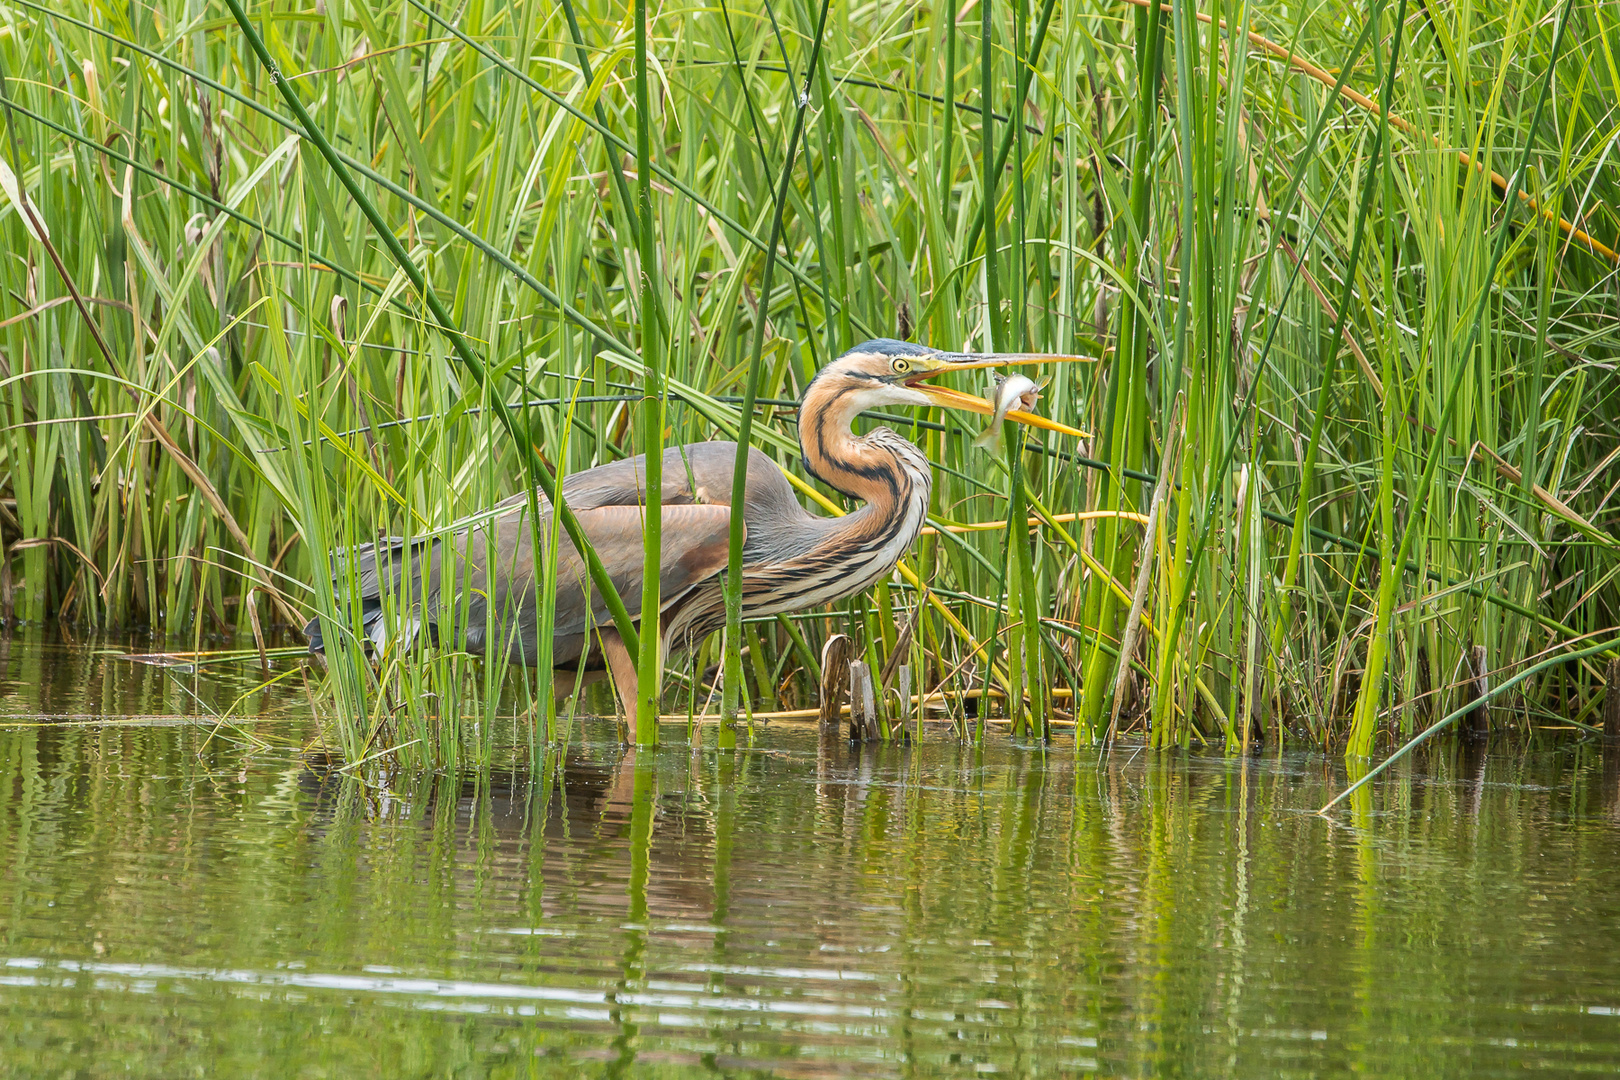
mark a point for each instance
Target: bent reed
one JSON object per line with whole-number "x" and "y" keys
{"x": 1354, "y": 442}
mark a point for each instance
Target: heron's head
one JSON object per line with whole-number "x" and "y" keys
{"x": 883, "y": 373}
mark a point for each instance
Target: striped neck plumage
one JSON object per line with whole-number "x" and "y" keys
{"x": 881, "y": 468}
{"x": 819, "y": 559}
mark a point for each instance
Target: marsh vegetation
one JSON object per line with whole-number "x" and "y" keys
{"x": 1354, "y": 437}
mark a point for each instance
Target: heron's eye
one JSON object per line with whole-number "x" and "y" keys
{"x": 902, "y": 366}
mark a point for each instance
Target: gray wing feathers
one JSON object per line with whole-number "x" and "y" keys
{"x": 428, "y": 590}
{"x": 487, "y": 611}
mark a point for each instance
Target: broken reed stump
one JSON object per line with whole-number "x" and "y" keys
{"x": 1477, "y": 724}
{"x": 1611, "y": 704}
{"x": 1611, "y": 741}
{"x": 834, "y": 680}
{"x": 862, "y": 703}
{"x": 859, "y": 676}
{"x": 874, "y": 706}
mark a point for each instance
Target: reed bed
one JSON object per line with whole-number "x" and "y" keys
{"x": 1354, "y": 436}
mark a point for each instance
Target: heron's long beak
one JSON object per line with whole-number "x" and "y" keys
{"x": 955, "y": 399}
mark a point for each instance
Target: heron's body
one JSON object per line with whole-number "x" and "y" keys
{"x": 482, "y": 581}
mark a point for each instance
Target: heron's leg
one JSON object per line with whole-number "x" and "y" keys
{"x": 622, "y": 666}
{"x": 564, "y": 681}
{"x": 621, "y": 793}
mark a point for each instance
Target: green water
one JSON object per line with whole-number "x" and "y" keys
{"x": 180, "y": 899}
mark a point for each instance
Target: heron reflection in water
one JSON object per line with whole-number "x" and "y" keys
{"x": 479, "y": 586}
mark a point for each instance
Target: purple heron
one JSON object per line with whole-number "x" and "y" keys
{"x": 489, "y": 587}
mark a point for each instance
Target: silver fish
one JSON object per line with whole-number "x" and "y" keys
{"x": 1007, "y": 393}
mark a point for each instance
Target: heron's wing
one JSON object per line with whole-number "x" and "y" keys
{"x": 694, "y": 473}
{"x": 618, "y": 483}
{"x": 429, "y": 589}
{"x": 693, "y": 547}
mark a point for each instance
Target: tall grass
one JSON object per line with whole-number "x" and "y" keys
{"x": 1391, "y": 332}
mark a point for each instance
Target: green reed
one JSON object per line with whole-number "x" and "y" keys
{"x": 359, "y": 298}
{"x": 648, "y": 664}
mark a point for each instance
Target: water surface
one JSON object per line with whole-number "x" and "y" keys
{"x": 181, "y": 898}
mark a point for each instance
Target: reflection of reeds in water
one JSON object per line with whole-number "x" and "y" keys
{"x": 1394, "y": 453}
{"x": 818, "y": 912}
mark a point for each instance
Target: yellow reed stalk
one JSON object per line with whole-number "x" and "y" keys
{"x": 1326, "y": 78}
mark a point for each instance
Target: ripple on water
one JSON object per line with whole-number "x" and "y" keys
{"x": 180, "y": 903}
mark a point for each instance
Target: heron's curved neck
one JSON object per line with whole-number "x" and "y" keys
{"x": 881, "y": 469}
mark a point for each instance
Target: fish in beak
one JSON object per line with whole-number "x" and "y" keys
{"x": 1013, "y": 397}
{"x": 1006, "y": 392}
